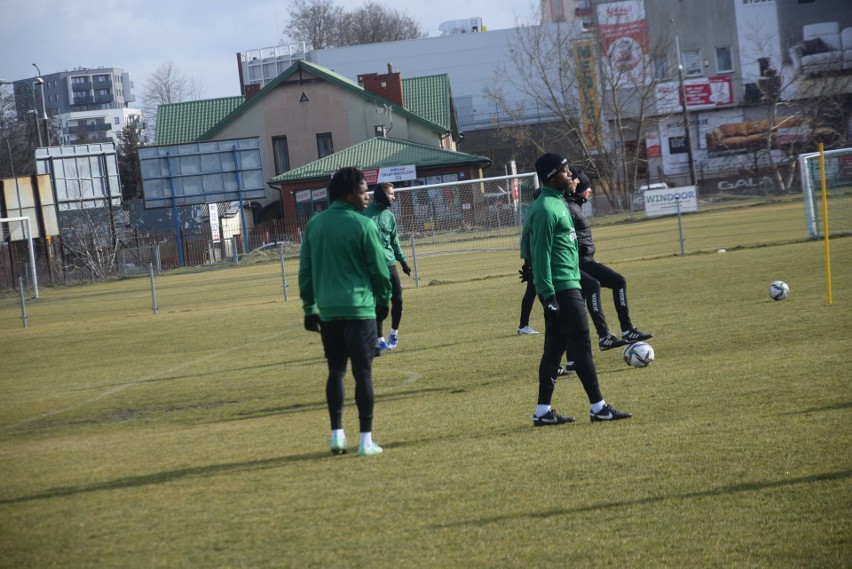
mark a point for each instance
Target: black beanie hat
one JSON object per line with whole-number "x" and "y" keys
{"x": 584, "y": 183}
{"x": 380, "y": 196}
{"x": 548, "y": 165}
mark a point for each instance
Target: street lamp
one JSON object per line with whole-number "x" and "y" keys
{"x": 687, "y": 137}
{"x": 40, "y": 81}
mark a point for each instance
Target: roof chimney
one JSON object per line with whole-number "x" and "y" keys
{"x": 388, "y": 86}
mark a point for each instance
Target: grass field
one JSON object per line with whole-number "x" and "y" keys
{"x": 199, "y": 437}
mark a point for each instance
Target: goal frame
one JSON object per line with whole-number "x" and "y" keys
{"x": 30, "y": 248}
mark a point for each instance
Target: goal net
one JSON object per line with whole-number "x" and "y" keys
{"x": 838, "y": 186}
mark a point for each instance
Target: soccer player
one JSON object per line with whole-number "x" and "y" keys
{"x": 593, "y": 275}
{"x": 344, "y": 283}
{"x": 380, "y": 212}
{"x": 550, "y": 240}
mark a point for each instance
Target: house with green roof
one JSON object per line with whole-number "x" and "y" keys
{"x": 303, "y": 189}
{"x": 309, "y": 113}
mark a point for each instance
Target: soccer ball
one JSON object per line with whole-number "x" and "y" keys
{"x": 638, "y": 354}
{"x": 779, "y": 290}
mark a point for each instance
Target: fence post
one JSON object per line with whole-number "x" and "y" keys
{"x": 154, "y": 306}
{"x": 414, "y": 261}
{"x": 23, "y": 302}
{"x": 283, "y": 271}
{"x": 679, "y": 225}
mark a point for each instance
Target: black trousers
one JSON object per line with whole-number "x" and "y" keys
{"x": 569, "y": 332}
{"x": 354, "y": 340}
{"x": 396, "y": 302}
{"x": 527, "y": 303}
{"x": 593, "y": 276}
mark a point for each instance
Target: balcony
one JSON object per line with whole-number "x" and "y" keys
{"x": 87, "y": 100}
{"x": 103, "y": 98}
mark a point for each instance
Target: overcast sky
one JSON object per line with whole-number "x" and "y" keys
{"x": 201, "y": 37}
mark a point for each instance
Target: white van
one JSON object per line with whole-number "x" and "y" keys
{"x": 639, "y": 198}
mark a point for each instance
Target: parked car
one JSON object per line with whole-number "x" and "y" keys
{"x": 639, "y": 196}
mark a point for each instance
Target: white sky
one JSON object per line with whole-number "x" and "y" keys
{"x": 201, "y": 37}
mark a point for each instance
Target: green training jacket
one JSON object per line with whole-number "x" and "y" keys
{"x": 342, "y": 270}
{"x": 386, "y": 222}
{"x": 548, "y": 235}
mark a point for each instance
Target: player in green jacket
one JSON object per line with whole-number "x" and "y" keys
{"x": 344, "y": 282}
{"x": 550, "y": 243}
{"x": 380, "y": 212}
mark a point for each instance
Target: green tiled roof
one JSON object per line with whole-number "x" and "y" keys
{"x": 379, "y": 153}
{"x": 178, "y": 123}
{"x": 330, "y": 76}
{"x": 429, "y": 97}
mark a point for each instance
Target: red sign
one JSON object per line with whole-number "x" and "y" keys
{"x": 708, "y": 93}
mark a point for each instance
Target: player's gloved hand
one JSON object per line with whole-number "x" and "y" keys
{"x": 551, "y": 307}
{"x": 525, "y": 272}
{"x": 312, "y": 323}
{"x": 406, "y": 269}
{"x": 382, "y": 311}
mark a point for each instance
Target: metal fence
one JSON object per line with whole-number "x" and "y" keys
{"x": 449, "y": 232}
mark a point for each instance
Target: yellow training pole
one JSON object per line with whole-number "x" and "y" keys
{"x": 825, "y": 222}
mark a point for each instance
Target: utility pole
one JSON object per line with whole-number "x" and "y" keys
{"x": 686, "y": 134}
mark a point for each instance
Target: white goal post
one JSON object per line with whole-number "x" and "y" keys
{"x": 29, "y": 237}
{"x": 838, "y": 166}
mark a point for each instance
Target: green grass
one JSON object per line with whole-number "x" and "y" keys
{"x": 199, "y": 437}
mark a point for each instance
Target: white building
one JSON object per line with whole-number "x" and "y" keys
{"x": 89, "y": 127}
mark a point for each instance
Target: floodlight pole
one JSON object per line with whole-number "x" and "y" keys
{"x": 40, "y": 81}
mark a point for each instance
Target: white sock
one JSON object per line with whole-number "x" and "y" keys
{"x": 382, "y": 339}
{"x": 541, "y": 410}
{"x": 337, "y": 434}
{"x": 367, "y": 439}
{"x": 394, "y": 332}
{"x": 596, "y": 407}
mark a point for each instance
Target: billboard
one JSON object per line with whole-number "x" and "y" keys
{"x": 624, "y": 40}
{"x": 84, "y": 176}
{"x": 670, "y": 201}
{"x": 202, "y": 172}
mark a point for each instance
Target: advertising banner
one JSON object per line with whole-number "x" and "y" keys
{"x": 624, "y": 40}
{"x": 390, "y": 174}
{"x": 670, "y": 200}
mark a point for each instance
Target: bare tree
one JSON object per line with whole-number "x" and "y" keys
{"x": 800, "y": 110}
{"x": 316, "y": 23}
{"x": 599, "y": 98}
{"x": 168, "y": 84}
{"x": 320, "y": 24}
{"x": 374, "y": 23}
{"x": 17, "y": 154}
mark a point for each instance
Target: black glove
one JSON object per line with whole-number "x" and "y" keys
{"x": 382, "y": 311}
{"x": 312, "y": 323}
{"x": 406, "y": 269}
{"x": 551, "y": 307}
{"x": 526, "y": 272}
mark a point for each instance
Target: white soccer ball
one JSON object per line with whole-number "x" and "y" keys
{"x": 779, "y": 290}
{"x": 638, "y": 354}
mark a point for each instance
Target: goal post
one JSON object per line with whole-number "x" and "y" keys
{"x": 13, "y": 233}
{"x": 837, "y": 171}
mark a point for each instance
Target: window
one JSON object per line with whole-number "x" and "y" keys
{"x": 692, "y": 63}
{"x": 117, "y": 120}
{"x": 724, "y": 61}
{"x": 324, "y": 144}
{"x": 281, "y": 154}
{"x": 78, "y": 80}
{"x": 661, "y": 67}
